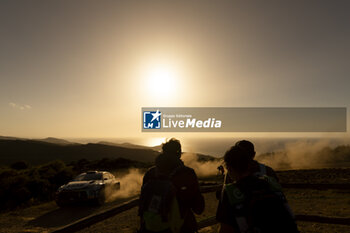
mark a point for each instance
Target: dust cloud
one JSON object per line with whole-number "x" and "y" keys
{"x": 202, "y": 169}
{"x": 130, "y": 185}
{"x": 294, "y": 155}
{"x": 131, "y": 181}
{"x": 306, "y": 154}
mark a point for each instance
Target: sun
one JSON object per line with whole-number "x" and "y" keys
{"x": 161, "y": 79}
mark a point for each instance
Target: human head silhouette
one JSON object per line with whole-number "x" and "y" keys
{"x": 172, "y": 147}
{"x": 237, "y": 160}
{"x": 247, "y": 146}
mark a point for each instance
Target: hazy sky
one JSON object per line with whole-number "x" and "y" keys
{"x": 85, "y": 68}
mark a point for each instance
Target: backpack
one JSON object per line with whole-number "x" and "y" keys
{"x": 260, "y": 206}
{"x": 159, "y": 205}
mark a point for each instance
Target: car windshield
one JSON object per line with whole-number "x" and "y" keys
{"x": 88, "y": 176}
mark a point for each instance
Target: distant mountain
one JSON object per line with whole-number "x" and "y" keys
{"x": 130, "y": 145}
{"x": 56, "y": 141}
{"x": 49, "y": 140}
{"x": 10, "y": 138}
{"x": 157, "y": 148}
{"x": 41, "y": 151}
{"x": 125, "y": 145}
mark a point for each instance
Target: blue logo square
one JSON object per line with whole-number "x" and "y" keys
{"x": 151, "y": 119}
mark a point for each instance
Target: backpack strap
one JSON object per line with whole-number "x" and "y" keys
{"x": 236, "y": 199}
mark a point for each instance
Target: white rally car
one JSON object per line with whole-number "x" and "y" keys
{"x": 88, "y": 186}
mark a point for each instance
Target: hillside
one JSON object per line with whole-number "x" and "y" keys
{"x": 130, "y": 145}
{"x": 55, "y": 141}
{"x": 38, "y": 152}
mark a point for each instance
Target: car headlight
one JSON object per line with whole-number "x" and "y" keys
{"x": 60, "y": 188}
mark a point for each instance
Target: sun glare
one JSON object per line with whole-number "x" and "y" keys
{"x": 161, "y": 79}
{"x": 155, "y": 141}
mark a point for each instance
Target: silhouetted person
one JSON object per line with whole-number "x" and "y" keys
{"x": 255, "y": 166}
{"x": 255, "y": 203}
{"x": 170, "y": 177}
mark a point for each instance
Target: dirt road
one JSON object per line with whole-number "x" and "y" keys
{"x": 47, "y": 217}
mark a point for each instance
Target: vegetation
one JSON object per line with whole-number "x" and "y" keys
{"x": 31, "y": 184}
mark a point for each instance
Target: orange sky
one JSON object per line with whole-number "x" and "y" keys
{"x": 85, "y": 68}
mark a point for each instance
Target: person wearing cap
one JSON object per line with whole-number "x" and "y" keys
{"x": 190, "y": 200}
{"x": 254, "y": 202}
{"x": 255, "y": 166}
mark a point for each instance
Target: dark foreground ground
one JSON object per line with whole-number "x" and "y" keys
{"x": 334, "y": 203}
